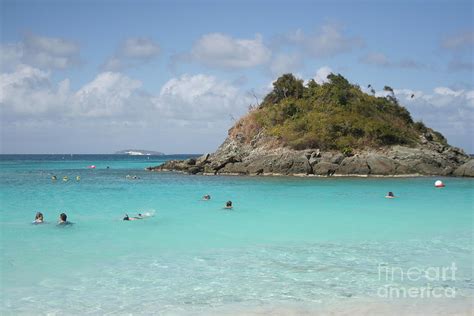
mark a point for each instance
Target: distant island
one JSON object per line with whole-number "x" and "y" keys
{"x": 329, "y": 129}
{"x": 139, "y": 152}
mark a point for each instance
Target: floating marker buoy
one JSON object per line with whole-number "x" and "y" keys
{"x": 439, "y": 184}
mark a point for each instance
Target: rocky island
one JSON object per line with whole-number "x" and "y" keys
{"x": 330, "y": 129}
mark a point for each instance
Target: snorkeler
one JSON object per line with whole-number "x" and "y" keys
{"x": 206, "y": 197}
{"x": 63, "y": 219}
{"x": 228, "y": 205}
{"x": 390, "y": 195}
{"x": 128, "y": 218}
{"x": 39, "y": 218}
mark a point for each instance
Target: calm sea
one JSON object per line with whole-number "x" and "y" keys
{"x": 306, "y": 242}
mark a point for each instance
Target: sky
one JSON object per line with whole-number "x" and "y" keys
{"x": 173, "y": 76}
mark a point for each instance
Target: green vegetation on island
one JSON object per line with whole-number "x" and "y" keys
{"x": 335, "y": 115}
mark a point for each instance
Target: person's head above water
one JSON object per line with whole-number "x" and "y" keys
{"x": 126, "y": 218}
{"x": 206, "y": 197}
{"x": 228, "y": 204}
{"x": 62, "y": 217}
{"x": 39, "y": 217}
{"x": 390, "y": 195}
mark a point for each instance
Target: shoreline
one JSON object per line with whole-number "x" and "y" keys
{"x": 412, "y": 175}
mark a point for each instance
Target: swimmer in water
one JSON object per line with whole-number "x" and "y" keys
{"x": 39, "y": 218}
{"x": 63, "y": 220}
{"x": 390, "y": 195}
{"x": 78, "y": 178}
{"x": 228, "y": 205}
{"x": 206, "y": 197}
{"x": 128, "y": 218}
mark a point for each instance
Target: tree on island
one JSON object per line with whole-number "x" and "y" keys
{"x": 333, "y": 115}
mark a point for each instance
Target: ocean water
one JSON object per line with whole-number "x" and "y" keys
{"x": 289, "y": 246}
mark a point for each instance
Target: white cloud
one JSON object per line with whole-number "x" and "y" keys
{"x": 458, "y": 64}
{"x": 458, "y": 41}
{"x": 410, "y": 63}
{"x": 50, "y": 52}
{"x": 448, "y": 91}
{"x": 132, "y": 52}
{"x": 109, "y": 94}
{"x": 285, "y": 63}
{"x": 41, "y": 52}
{"x": 113, "y": 63}
{"x": 375, "y": 58}
{"x": 200, "y": 97}
{"x": 328, "y": 41}
{"x": 381, "y": 60}
{"x": 142, "y": 48}
{"x": 322, "y": 75}
{"x": 449, "y": 111}
{"x": 10, "y": 56}
{"x": 223, "y": 51}
{"x": 51, "y": 45}
{"x": 461, "y": 45}
{"x": 28, "y": 91}
{"x": 408, "y": 94}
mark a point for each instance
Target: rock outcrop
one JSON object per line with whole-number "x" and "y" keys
{"x": 261, "y": 156}
{"x": 465, "y": 170}
{"x": 330, "y": 129}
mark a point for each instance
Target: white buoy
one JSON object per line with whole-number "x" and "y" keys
{"x": 439, "y": 184}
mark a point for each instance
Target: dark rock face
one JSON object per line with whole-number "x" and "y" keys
{"x": 257, "y": 157}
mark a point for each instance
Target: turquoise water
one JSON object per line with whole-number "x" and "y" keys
{"x": 310, "y": 241}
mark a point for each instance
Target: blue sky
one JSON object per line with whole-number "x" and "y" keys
{"x": 99, "y": 76}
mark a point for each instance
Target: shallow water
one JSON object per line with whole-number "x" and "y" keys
{"x": 308, "y": 241}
